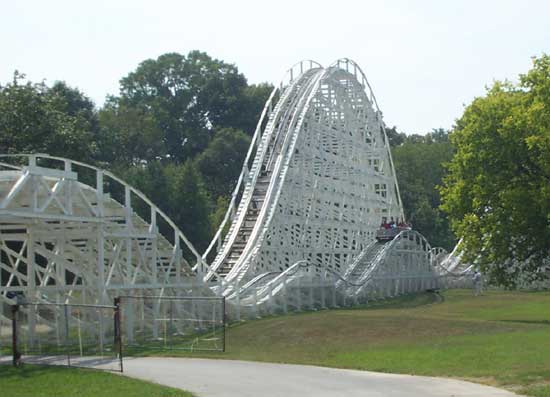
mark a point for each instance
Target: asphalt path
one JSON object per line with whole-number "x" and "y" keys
{"x": 229, "y": 378}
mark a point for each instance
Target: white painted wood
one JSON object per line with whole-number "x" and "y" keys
{"x": 315, "y": 184}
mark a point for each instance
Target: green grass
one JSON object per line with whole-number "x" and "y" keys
{"x": 537, "y": 391}
{"x": 501, "y": 338}
{"x": 41, "y": 381}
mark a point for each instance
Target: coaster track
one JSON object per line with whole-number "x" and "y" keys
{"x": 299, "y": 232}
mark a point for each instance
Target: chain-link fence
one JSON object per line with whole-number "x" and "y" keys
{"x": 67, "y": 334}
{"x": 94, "y": 336}
{"x": 6, "y": 339}
{"x": 153, "y": 323}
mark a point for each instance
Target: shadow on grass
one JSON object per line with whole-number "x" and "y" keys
{"x": 8, "y": 371}
{"x": 408, "y": 301}
{"x": 539, "y": 322}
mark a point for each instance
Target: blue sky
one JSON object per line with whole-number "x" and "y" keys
{"x": 424, "y": 59}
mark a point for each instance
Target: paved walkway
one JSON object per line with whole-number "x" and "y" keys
{"x": 228, "y": 378}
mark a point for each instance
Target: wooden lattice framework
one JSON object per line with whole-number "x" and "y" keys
{"x": 316, "y": 183}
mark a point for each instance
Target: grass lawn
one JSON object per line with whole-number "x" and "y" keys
{"x": 501, "y": 338}
{"x": 39, "y": 381}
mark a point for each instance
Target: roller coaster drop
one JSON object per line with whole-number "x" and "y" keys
{"x": 299, "y": 232}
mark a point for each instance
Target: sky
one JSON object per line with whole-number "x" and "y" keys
{"x": 424, "y": 59}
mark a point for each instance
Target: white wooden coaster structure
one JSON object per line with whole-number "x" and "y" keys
{"x": 317, "y": 181}
{"x": 73, "y": 233}
{"x": 299, "y": 233}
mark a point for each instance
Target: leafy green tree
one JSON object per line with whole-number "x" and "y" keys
{"x": 419, "y": 167}
{"x": 187, "y": 97}
{"x": 252, "y": 104}
{"x": 129, "y": 134}
{"x": 178, "y": 190}
{"x": 150, "y": 179}
{"x": 497, "y": 193}
{"x": 395, "y": 138}
{"x": 178, "y": 108}
{"x": 37, "y": 119}
{"x": 438, "y": 135}
{"x": 188, "y": 202}
{"x": 220, "y": 164}
{"x": 74, "y": 103}
{"x": 216, "y": 216}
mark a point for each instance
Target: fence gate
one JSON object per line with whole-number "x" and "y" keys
{"x": 76, "y": 335}
{"x": 153, "y": 323}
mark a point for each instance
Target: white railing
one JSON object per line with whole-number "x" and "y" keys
{"x": 277, "y": 181}
{"x": 259, "y": 146}
{"x": 102, "y": 177}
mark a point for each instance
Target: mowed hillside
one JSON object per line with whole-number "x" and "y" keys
{"x": 501, "y": 338}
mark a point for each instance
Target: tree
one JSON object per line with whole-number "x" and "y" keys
{"x": 255, "y": 97}
{"x": 177, "y": 189}
{"x": 419, "y": 168}
{"x": 37, "y": 119}
{"x": 220, "y": 164}
{"x": 497, "y": 193}
{"x": 395, "y": 138}
{"x": 188, "y": 203}
{"x": 188, "y": 97}
{"x": 150, "y": 179}
{"x": 182, "y": 113}
{"x": 129, "y": 134}
{"x": 216, "y": 217}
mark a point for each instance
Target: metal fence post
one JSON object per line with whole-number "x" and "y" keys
{"x": 256, "y": 312}
{"x": 323, "y": 292}
{"x": 311, "y": 294}
{"x": 171, "y": 324}
{"x": 334, "y": 303}
{"x": 271, "y": 302}
{"x": 16, "y": 354}
{"x": 68, "y": 347}
{"x": 238, "y": 301}
{"x": 285, "y": 296}
{"x": 223, "y": 323}
{"x": 117, "y": 333}
{"x": 299, "y": 294}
